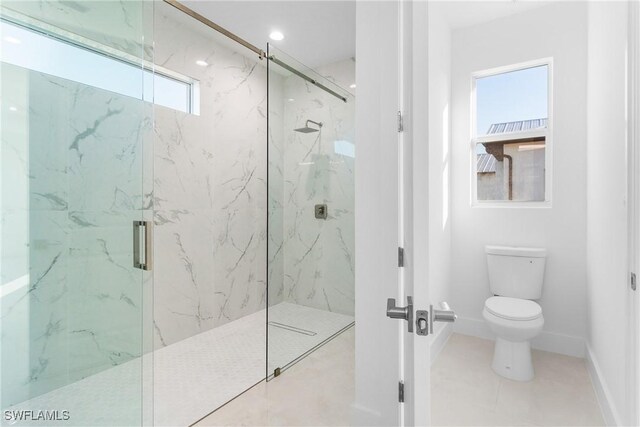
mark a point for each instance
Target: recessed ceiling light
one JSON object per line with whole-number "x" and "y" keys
{"x": 202, "y": 63}
{"x": 352, "y": 86}
{"x": 290, "y": 99}
{"x": 276, "y": 35}
{"x": 12, "y": 40}
{"x": 13, "y": 109}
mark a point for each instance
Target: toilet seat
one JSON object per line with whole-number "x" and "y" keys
{"x": 513, "y": 308}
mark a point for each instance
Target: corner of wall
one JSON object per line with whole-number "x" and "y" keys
{"x": 605, "y": 399}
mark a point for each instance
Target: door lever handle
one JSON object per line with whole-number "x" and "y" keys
{"x": 443, "y": 315}
{"x": 405, "y": 313}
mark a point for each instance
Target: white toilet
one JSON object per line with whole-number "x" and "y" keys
{"x": 515, "y": 278}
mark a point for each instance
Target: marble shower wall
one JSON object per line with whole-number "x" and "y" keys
{"x": 210, "y": 191}
{"x": 318, "y": 259}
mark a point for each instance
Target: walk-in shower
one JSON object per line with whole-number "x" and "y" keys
{"x": 202, "y": 155}
{"x": 311, "y": 257}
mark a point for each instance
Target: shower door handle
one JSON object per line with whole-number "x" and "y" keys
{"x": 405, "y": 313}
{"x": 142, "y": 245}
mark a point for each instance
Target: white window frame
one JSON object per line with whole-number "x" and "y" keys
{"x": 546, "y": 133}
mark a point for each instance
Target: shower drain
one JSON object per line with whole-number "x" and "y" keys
{"x": 292, "y": 328}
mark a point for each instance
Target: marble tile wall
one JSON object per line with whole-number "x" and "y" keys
{"x": 319, "y": 254}
{"x": 210, "y": 190}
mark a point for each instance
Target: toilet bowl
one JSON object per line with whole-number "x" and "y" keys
{"x": 515, "y": 322}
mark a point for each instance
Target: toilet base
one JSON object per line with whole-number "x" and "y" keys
{"x": 513, "y": 360}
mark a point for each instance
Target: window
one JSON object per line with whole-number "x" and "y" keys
{"x": 35, "y": 51}
{"x": 511, "y": 135}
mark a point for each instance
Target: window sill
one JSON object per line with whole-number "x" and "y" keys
{"x": 512, "y": 205}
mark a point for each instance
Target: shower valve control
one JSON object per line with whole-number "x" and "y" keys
{"x": 321, "y": 211}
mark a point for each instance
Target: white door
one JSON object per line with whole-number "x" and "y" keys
{"x": 392, "y": 359}
{"x": 377, "y": 214}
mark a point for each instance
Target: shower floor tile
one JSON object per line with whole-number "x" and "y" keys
{"x": 193, "y": 377}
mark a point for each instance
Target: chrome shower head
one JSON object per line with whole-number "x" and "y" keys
{"x": 307, "y": 129}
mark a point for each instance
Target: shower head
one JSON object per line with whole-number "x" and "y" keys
{"x": 307, "y": 129}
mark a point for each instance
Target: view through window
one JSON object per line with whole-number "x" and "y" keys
{"x": 511, "y": 134}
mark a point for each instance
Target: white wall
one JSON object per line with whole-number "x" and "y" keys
{"x": 606, "y": 205}
{"x": 557, "y": 31}
{"x": 439, "y": 161}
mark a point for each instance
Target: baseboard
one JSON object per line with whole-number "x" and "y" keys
{"x": 547, "y": 341}
{"x": 362, "y": 416}
{"x": 607, "y": 407}
{"x": 439, "y": 340}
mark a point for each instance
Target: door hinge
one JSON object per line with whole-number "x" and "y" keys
{"x": 400, "y": 257}
{"x": 400, "y": 122}
{"x": 401, "y": 392}
{"x": 634, "y": 284}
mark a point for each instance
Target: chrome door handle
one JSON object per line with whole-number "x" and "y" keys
{"x": 443, "y": 315}
{"x": 405, "y": 313}
{"x": 142, "y": 245}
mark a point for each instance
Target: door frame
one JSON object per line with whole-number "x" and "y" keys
{"x": 633, "y": 190}
{"x": 414, "y": 91}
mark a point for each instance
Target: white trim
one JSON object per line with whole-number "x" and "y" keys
{"x": 633, "y": 188}
{"x": 603, "y": 394}
{"x": 511, "y": 136}
{"x": 439, "y": 340}
{"x": 547, "y": 133}
{"x": 547, "y": 341}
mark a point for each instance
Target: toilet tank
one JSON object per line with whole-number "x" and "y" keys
{"x": 516, "y": 272}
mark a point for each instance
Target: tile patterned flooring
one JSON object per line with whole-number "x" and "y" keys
{"x": 194, "y": 376}
{"x": 318, "y": 391}
{"x": 466, "y": 391}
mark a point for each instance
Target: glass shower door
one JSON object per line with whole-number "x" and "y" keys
{"x": 311, "y": 207}
{"x": 73, "y": 131}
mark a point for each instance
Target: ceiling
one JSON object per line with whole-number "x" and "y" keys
{"x": 316, "y": 32}
{"x": 319, "y": 32}
{"x": 461, "y": 14}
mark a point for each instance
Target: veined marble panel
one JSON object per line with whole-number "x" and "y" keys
{"x": 319, "y": 259}
{"x": 210, "y": 190}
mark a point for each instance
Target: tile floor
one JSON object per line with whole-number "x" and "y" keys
{"x": 194, "y": 376}
{"x": 318, "y": 391}
{"x": 466, "y": 391}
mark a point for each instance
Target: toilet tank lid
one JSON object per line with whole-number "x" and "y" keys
{"x": 515, "y": 251}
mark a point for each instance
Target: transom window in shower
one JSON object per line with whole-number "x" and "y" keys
{"x": 511, "y": 141}
{"x": 86, "y": 62}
